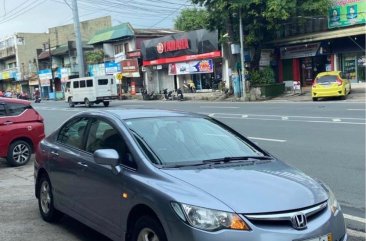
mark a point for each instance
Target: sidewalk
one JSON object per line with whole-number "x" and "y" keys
{"x": 357, "y": 94}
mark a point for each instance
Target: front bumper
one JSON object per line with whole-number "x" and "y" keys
{"x": 321, "y": 225}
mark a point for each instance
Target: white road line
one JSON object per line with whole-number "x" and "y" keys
{"x": 357, "y": 234}
{"x": 337, "y": 120}
{"x": 354, "y": 218}
{"x": 266, "y": 139}
{"x": 357, "y": 109}
{"x": 221, "y": 107}
{"x": 132, "y": 105}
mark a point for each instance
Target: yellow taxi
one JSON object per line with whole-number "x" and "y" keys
{"x": 330, "y": 84}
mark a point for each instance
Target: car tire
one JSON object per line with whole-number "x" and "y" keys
{"x": 149, "y": 227}
{"x": 87, "y": 103}
{"x": 71, "y": 104}
{"x": 106, "y": 103}
{"x": 45, "y": 201}
{"x": 315, "y": 99}
{"x": 19, "y": 153}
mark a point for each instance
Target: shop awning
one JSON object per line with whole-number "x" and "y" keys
{"x": 113, "y": 33}
{"x": 344, "y": 32}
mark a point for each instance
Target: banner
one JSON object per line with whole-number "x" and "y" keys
{"x": 347, "y": 12}
{"x": 192, "y": 67}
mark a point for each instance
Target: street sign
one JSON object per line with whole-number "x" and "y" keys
{"x": 119, "y": 76}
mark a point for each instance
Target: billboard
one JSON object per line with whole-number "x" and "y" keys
{"x": 347, "y": 12}
{"x": 193, "y": 67}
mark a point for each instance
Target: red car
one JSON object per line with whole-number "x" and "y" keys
{"x": 21, "y": 129}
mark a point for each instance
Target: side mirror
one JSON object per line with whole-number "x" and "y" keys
{"x": 108, "y": 157}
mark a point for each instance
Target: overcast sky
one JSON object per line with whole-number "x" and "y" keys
{"x": 39, "y": 15}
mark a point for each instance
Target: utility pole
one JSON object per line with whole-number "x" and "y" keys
{"x": 242, "y": 54}
{"x": 79, "y": 44}
{"x": 50, "y": 58}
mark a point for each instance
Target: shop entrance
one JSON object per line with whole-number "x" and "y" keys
{"x": 310, "y": 67}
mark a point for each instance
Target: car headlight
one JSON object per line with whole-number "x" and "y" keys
{"x": 209, "y": 219}
{"x": 332, "y": 201}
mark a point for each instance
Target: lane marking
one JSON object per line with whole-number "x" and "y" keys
{"x": 357, "y": 109}
{"x": 133, "y": 105}
{"x": 337, "y": 120}
{"x": 221, "y": 107}
{"x": 266, "y": 139}
{"x": 357, "y": 234}
{"x": 354, "y": 218}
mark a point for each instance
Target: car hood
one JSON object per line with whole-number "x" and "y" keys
{"x": 258, "y": 188}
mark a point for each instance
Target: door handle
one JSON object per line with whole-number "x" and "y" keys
{"x": 8, "y": 122}
{"x": 82, "y": 164}
{"x": 54, "y": 153}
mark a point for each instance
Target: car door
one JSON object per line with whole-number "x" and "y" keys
{"x": 12, "y": 122}
{"x": 100, "y": 198}
{"x": 65, "y": 158}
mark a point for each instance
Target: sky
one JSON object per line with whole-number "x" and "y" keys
{"x": 36, "y": 16}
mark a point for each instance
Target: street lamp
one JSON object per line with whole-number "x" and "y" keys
{"x": 242, "y": 54}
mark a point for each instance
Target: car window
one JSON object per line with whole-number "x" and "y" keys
{"x": 188, "y": 140}
{"x": 102, "y": 81}
{"x": 72, "y": 133}
{"x": 15, "y": 109}
{"x": 89, "y": 83}
{"x": 76, "y": 84}
{"x": 2, "y": 110}
{"x": 327, "y": 79}
{"x": 103, "y": 135}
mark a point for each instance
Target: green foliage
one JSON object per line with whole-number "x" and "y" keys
{"x": 262, "y": 77}
{"x": 191, "y": 19}
{"x": 94, "y": 57}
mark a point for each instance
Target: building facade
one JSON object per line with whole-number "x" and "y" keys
{"x": 188, "y": 60}
{"x": 121, "y": 47}
{"x": 18, "y": 63}
{"x": 335, "y": 42}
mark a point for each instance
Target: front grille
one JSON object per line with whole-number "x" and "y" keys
{"x": 284, "y": 218}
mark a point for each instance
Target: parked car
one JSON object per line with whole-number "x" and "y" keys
{"x": 330, "y": 84}
{"x": 21, "y": 130}
{"x": 160, "y": 175}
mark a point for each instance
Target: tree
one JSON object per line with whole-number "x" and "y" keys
{"x": 191, "y": 19}
{"x": 261, "y": 18}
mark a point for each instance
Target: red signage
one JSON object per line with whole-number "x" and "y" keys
{"x": 185, "y": 58}
{"x": 134, "y": 54}
{"x": 129, "y": 66}
{"x": 172, "y": 45}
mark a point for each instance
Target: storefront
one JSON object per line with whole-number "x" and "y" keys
{"x": 190, "y": 60}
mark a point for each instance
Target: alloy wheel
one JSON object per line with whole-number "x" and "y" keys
{"x": 45, "y": 197}
{"x": 21, "y": 153}
{"x": 147, "y": 234}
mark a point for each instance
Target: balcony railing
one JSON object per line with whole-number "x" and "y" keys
{"x": 303, "y": 26}
{"x": 8, "y": 52}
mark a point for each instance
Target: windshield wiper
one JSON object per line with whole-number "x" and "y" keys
{"x": 237, "y": 159}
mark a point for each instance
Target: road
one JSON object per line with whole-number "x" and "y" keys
{"x": 326, "y": 140}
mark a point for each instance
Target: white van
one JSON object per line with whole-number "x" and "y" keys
{"x": 91, "y": 90}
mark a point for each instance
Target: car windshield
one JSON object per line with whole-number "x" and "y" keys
{"x": 187, "y": 140}
{"x": 327, "y": 79}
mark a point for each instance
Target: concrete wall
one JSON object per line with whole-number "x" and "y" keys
{"x": 27, "y": 50}
{"x": 61, "y": 34}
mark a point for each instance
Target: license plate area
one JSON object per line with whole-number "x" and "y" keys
{"x": 327, "y": 237}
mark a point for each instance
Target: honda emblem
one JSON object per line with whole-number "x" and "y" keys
{"x": 299, "y": 221}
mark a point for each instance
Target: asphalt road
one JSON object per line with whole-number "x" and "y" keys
{"x": 326, "y": 140}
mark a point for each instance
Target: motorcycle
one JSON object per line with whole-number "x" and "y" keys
{"x": 37, "y": 99}
{"x": 180, "y": 94}
{"x": 168, "y": 95}
{"x": 148, "y": 96}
